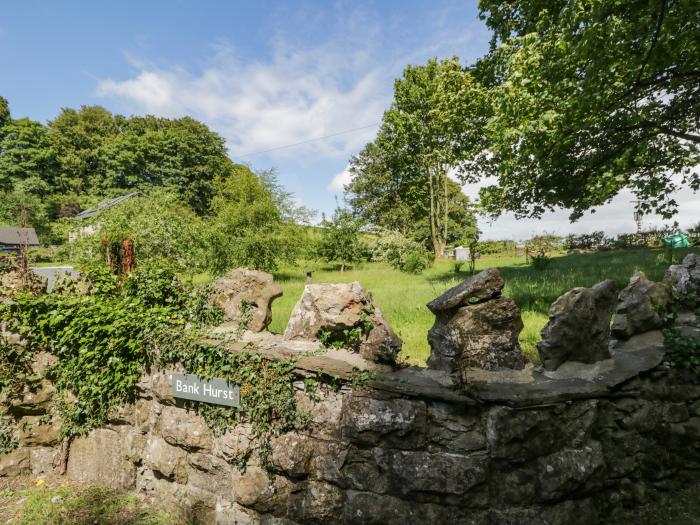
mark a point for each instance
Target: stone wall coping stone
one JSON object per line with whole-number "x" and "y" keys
{"x": 528, "y": 387}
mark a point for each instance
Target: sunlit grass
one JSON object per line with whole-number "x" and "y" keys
{"x": 402, "y": 297}
{"x": 41, "y": 503}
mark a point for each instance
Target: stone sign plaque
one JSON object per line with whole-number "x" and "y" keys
{"x": 216, "y": 391}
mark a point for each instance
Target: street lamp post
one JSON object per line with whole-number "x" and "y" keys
{"x": 638, "y": 219}
{"x": 638, "y": 215}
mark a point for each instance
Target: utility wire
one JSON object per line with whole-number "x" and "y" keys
{"x": 307, "y": 141}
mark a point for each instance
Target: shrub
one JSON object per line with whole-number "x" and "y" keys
{"x": 504, "y": 247}
{"x": 158, "y": 224}
{"x": 683, "y": 350}
{"x": 400, "y": 252}
{"x": 539, "y": 249}
{"x": 413, "y": 262}
{"x": 340, "y": 239}
{"x": 585, "y": 241}
{"x": 540, "y": 262}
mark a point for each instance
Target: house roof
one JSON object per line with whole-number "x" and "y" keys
{"x": 18, "y": 236}
{"x": 104, "y": 205}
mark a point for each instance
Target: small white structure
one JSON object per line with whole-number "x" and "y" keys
{"x": 461, "y": 253}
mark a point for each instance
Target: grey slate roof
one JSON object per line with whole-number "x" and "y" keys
{"x": 18, "y": 236}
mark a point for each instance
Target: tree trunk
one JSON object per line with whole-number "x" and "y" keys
{"x": 447, "y": 207}
{"x": 438, "y": 207}
{"x": 434, "y": 231}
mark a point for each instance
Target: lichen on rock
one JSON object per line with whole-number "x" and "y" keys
{"x": 246, "y": 296}
{"x": 640, "y": 307}
{"x": 475, "y": 327}
{"x": 345, "y": 313}
{"x": 579, "y": 326}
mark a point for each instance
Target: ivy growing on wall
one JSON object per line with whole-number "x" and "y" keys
{"x": 683, "y": 348}
{"x": 350, "y": 338}
{"x": 683, "y": 351}
{"x": 109, "y": 332}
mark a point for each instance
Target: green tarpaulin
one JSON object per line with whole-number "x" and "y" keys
{"x": 679, "y": 240}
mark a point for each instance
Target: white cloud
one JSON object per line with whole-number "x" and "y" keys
{"x": 296, "y": 95}
{"x": 340, "y": 180}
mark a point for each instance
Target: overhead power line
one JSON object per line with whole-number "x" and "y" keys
{"x": 307, "y": 141}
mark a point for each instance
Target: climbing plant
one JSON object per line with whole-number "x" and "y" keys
{"x": 683, "y": 351}
{"x": 349, "y": 338}
{"x": 108, "y": 334}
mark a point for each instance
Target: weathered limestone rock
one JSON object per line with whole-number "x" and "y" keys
{"x": 552, "y": 450}
{"x": 398, "y": 421}
{"x": 252, "y": 486}
{"x": 639, "y": 306}
{"x": 325, "y": 414}
{"x": 196, "y": 505}
{"x": 318, "y": 503}
{"x": 521, "y": 435}
{"x": 454, "y": 430}
{"x": 368, "y": 508}
{"x": 569, "y": 470}
{"x": 576, "y": 512}
{"x": 418, "y": 471}
{"x": 32, "y": 402}
{"x": 253, "y": 287}
{"x": 101, "y": 457}
{"x": 256, "y": 489}
{"x": 43, "y": 460}
{"x": 579, "y": 326}
{"x": 328, "y": 461}
{"x": 481, "y": 287}
{"x": 184, "y": 429}
{"x": 475, "y": 327}
{"x": 158, "y": 386}
{"x": 33, "y": 432}
{"x": 685, "y": 277}
{"x": 165, "y": 459}
{"x": 484, "y": 335}
{"x": 337, "y": 308}
{"x": 233, "y": 444}
{"x": 14, "y": 464}
{"x": 292, "y": 453}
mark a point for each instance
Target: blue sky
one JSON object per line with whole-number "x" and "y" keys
{"x": 262, "y": 74}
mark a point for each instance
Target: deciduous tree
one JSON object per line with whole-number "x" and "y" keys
{"x": 340, "y": 240}
{"x": 402, "y": 177}
{"x": 247, "y": 228}
{"x": 590, "y": 97}
{"x": 25, "y": 152}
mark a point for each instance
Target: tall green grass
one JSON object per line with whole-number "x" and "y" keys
{"x": 402, "y": 297}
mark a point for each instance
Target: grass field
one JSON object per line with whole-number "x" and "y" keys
{"x": 402, "y": 297}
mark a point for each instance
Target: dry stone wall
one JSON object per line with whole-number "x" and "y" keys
{"x": 565, "y": 448}
{"x": 477, "y": 438}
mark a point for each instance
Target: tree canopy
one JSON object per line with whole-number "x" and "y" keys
{"x": 90, "y": 151}
{"x": 590, "y": 97}
{"x": 340, "y": 239}
{"x": 247, "y": 228}
{"x": 401, "y": 180}
{"x": 575, "y": 101}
